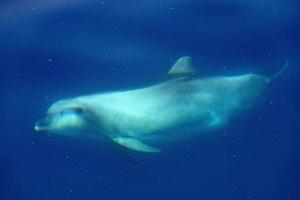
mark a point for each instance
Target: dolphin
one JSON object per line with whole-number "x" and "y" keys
{"x": 184, "y": 106}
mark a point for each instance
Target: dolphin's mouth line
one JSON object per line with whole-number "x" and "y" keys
{"x": 39, "y": 126}
{"x": 39, "y": 129}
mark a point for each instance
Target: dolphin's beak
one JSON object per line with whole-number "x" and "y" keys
{"x": 41, "y": 125}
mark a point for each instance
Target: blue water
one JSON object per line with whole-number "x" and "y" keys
{"x": 51, "y": 50}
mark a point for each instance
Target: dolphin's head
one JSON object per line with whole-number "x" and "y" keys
{"x": 63, "y": 117}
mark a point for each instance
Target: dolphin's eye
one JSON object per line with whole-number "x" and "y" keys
{"x": 77, "y": 110}
{"x": 62, "y": 113}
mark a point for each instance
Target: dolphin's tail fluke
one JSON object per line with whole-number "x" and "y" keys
{"x": 274, "y": 75}
{"x": 280, "y": 71}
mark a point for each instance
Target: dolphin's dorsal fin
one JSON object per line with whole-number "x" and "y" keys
{"x": 135, "y": 144}
{"x": 183, "y": 66}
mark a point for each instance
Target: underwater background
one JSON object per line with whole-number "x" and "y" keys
{"x": 51, "y": 49}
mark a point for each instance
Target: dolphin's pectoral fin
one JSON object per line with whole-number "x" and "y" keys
{"x": 183, "y": 66}
{"x": 121, "y": 153}
{"x": 135, "y": 144}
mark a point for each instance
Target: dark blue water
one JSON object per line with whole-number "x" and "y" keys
{"x": 52, "y": 49}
